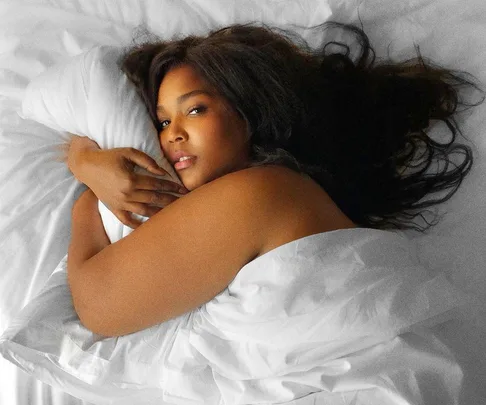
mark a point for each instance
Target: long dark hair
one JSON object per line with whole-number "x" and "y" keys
{"x": 357, "y": 127}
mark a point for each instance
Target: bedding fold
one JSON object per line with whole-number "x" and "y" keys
{"x": 344, "y": 313}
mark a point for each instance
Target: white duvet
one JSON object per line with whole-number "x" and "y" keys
{"x": 343, "y": 313}
{"x": 393, "y": 313}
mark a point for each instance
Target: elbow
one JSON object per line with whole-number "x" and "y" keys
{"x": 98, "y": 308}
{"x": 91, "y": 305}
{"x": 99, "y": 319}
{"x": 92, "y": 319}
{"x": 105, "y": 324}
{"x": 95, "y": 323}
{"x": 103, "y": 327}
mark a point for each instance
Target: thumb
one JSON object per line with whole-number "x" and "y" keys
{"x": 126, "y": 218}
{"x": 143, "y": 160}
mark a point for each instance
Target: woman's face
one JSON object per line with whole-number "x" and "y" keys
{"x": 200, "y": 123}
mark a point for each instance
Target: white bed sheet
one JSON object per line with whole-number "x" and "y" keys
{"x": 451, "y": 33}
{"x": 36, "y": 33}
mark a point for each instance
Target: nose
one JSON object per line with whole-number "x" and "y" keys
{"x": 174, "y": 133}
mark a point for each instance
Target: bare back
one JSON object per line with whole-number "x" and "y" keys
{"x": 307, "y": 210}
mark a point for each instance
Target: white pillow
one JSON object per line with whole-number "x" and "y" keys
{"x": 37, "y": 192}
{"x": 89, "y": 95}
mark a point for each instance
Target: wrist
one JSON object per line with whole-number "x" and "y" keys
{"x": 77, "y": 163}
{"x": 80, "y": 155}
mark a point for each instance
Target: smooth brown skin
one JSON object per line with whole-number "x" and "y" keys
{"x": 202, "y": 125}
{"x": 191, "y": 250}
{"x": 110, "y": 174}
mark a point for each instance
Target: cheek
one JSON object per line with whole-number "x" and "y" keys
{"x": 163, "y": 143}
{"x": 213, "y": 135}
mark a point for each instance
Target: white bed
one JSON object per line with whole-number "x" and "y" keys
{"x": 36, "y": 34}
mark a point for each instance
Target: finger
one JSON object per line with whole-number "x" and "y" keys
{"x": 143, "y": 182}
{"x": 143, "y": 160}
{"x": 144, "y": 199}
{"x": 145, "y": 210}
{"x": 126, "y": 218}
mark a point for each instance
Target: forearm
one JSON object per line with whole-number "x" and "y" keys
{"x": 88, "y": 236}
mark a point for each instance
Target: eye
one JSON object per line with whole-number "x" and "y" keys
{"x": 197, "y": 110}
{"x": 163, "y": 124}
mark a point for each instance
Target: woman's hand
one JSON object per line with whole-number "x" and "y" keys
{"x": 111, "y": 176}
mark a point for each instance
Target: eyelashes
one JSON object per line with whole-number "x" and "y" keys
{"x": 160, "y": 125}
{"x": 199, "y": 109}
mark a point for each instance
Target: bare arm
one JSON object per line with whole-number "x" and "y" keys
{"x": 111, "y": 175}
{"x": 180, "y": 259}
{"x": 77, "y": 154}
{"x": 88, "y": 236}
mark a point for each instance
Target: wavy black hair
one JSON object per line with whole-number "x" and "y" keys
{"x": 357, "y": 127}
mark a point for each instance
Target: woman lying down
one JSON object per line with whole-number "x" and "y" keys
{"x": 279, "y": 147}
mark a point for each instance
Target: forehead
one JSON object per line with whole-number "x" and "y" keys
{"x": 179, "y": 80}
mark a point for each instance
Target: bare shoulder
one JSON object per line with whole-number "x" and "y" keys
{"x": 266, "y": 180}
{"x": 258, "y": 189}
{"x": 260, "y": 175}
{"x": 190, "y": 251}
{"x": 286, "y": 205}
{"x": 265, "y": 190}
{"x": 180, "y": 258}
{"x": 283, "y": 189}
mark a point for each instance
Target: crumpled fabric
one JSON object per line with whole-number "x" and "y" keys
{"x": 344, "y": 313}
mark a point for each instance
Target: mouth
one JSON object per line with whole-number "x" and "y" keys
{"x": 184, "y": 164}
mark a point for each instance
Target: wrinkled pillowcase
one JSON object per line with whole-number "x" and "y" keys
{"x": 89, "y": 95}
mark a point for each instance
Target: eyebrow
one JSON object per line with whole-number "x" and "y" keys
{"x": 184, "y": 97}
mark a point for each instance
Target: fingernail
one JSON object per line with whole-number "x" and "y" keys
{"x": 182, "y": 190}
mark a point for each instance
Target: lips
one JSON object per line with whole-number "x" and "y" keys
{"x": 174, "y": 157}
{"x": 185, "y": 163}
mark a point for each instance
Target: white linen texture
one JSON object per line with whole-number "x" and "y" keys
{"x": 37, "y": 194}
{"x": 89, "y": 95}
{"x": 342, "y": 312}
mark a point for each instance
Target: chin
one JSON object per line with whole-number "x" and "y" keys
{"x": 194, "y": 179}
{"x": 190, "y": 182}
